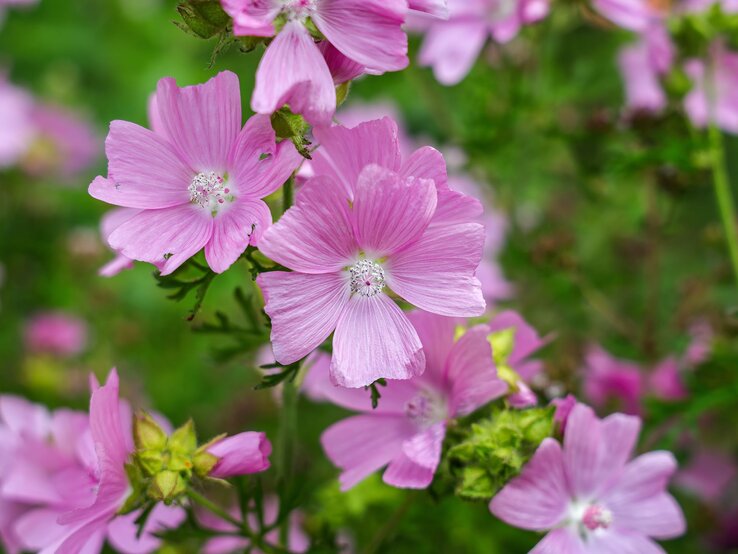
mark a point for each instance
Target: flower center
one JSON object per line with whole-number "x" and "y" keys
{"x": 596, "y": 517}
{"x": 299, "y": 8}
{"x": 426, "y": 408}
{"x": 210, "y": 190}
{"x": 367, "y": 278}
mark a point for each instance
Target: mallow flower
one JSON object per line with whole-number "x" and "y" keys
{"x": 198, "y": 178}
{"x": 55, "y": 333}
{"x": 589, "y": 495}
{"x": 452, "y": 46}
{"x": 368, "y": 227}
{"x": 109, "y": 223}
{"x": 16, "y": 132}
{"x": 367, "y": 34}
{"x": 406, "y": 430}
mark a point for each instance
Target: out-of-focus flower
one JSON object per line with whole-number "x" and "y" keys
{"x": 109, "y": 223}
{"x": 714, "y": 95}
{"x": 641, "y": 66}
{"x": 4, "y": 4}
{"x": 452, "y": 46}
{"x": 513, "y": 343}
{"x": 707, "y": 475}
{"x": 700, "y": 345}
{"x": 240, "y": 454}
{"x": 665, "y": 380}
{"x": 365, "y": 222}
{"x": 293, "y": 69}
{"x": 55, "y": 333}
{"x": 298, "y": 541}
{"x": 634, "y": 15}
{"x": 16, "y": 128}
{"x": 607, "y": 378}
{"x": 406, "y": 431}
{"x": 198, "y": 179}
{"x": 60, "y": 484}
{"x": 588, "y": 495}
{"x": 564, "y": 406}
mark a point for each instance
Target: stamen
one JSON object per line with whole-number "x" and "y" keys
{"x": 367, "y": 278}
{"x": 426, "y": 408}
{"x": 209, "y": 190}
{"x": 596, "y": 517}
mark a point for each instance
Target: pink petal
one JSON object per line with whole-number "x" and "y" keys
{"x": 437, "y": 273}
{"x": 88, "y": 539}
{"x": 452, "y": 47}
{"x": 424, "y": 448}
{"x": 240, "y": 455}
{"x": 233, "y": 229}
{"x": 114, "y": 219}
{"x": 622, "y": 542}
{"x": 144, "y": 170}
{"x": 390, "y": 212}
{"x": 644, "y": 477}
{"x": 123, "y": 529}
{"x": 259, "y": 165}
{"x": 527, "y": 339}
{"x": 167, "y": 238}
{"x": 293, "y": 71}
{"x": 39, "y": 528}
{"x": 582, "y": 448}
{"x": 427, "y": 163}
{"x": 202, "y": 121}
{"x": 105, "y": 420}
{"x": 23, "y": 417}
{"x": 355, "y": 446}
{"x": 342, "y": 69}
{"x": 315, "y": 235}
{"x": 404, "y": 473}
{"x": 629, "y": 14}
{"x": 455, "y": 207}
{"x": 366, "y": 31}
{"x": 115, "y": 266}
{"x": 252, "y": 17}
{"x": 472, "y": 375}
{"x": 374, "y": 340}
{"x": 344, "y": 152}
{"x": 643, "y": 89}
{"x": 538, "y": 498}
{"x": 658, "y": 516}
{"x": 437, "y": 8}
{"x": 560, "y": 541}
{"x": 304, "y": 310}
{"x": 437, "y": 337}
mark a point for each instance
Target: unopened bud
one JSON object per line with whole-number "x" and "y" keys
{"x": 166, "y": 486}
{"x": 147, "y": 434}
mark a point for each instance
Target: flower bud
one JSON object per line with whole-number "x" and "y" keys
{"x": 147, "y": 434}
{"x": 166, "y": 486}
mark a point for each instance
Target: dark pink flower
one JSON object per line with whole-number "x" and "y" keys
{"x": 607, "y": 378}
{"x": 55, "y": 333}
{"x": 240, "y": 455}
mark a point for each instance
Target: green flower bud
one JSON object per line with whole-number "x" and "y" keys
{"x": 184, "y": 439}
{"x": 166, "y": 486}
{"x": 203, "y": 463}
{"x": 147, "y": 434}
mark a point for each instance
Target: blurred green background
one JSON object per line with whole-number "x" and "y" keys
{"x": 614, "y": 239}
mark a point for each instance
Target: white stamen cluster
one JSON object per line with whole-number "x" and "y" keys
{"x": 596, "y": 517}
{"x": 367, "y": 278}
{"x": 209, "y": 190}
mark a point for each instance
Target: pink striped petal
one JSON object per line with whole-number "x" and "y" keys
{"x": 437, "y": 337}
{"x": 560, "y": 541}
{"x": 659, "y": 517}
{"x": 241, "y": 454}
{"x": 233, "y": 230}
{"x": 452, "y": 47}
{"x": 374, "y": 340}
{"x": 582, "y": 451}
{"x": 404, "y": 473}
{"x": 427, "y": 163}
{"x": 616, "y": 541}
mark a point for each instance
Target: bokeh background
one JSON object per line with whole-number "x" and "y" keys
{"x": 612, "y": 238}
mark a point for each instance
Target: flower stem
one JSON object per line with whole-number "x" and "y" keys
{"x": 724, "y": 195}
{"x": 286, "y": 466}
{"x": 213, "y": 507}
{"x": 288, "y": 193}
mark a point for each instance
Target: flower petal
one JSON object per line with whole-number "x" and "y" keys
{"x": 366, "y": 31}
{"x": 293, "y": 71}
{"x": 437, "y": 8}
{"x": 437, "y": 273}
{"x": 616, "y": 541}
{"x": 123, "y": 530}
{"x": 342, "y": 69}
{"x": 374, "y": 340}
{"x": 427, "y": 163}
{"x": 240, "y": 455}
{"x": 345, "y": 152}
{"x": 452, "y": 47}
{"x": 390, "y": 212}
{"x": 404, "y": 473}
{"x": 659, "y": 516}
{"x": 202, "y": 121}
{"x": 315, "y": 235}
{"x": 538, "y": 498}
{"x": 644, "y": 477}
{"x": 304, "y": 310}
{"x": 560, "y": 541}
{"x": 166, "y": 238}
{"x": 233, "y": 230}
{"x": 437, "y": 337}
{"x": 582, "y": 447}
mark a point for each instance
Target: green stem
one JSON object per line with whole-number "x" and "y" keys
{"x": 286, "y": 440}
{"x": 288, "y": 193}
{"x": 724, "y": 195}
{"x": 213, "y": 507}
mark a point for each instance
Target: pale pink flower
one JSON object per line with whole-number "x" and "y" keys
{"x": 707, "y": 475}
{"x": 406, "y": 431}
{"x": 109, "y": 223}
{"x": 589, "y": 496}
{"x": 451, "y": 47}
{"x": 368, "y": 221}
{"x": 16, "y": 124}
{"x": 642, "y": 65}
{"x": 55, "y": 333}
{"x": 198, "y": 179}
{"x": 298, "y": 541}
{"x": 714, "y": 95}
{"x": 607, "y": 378}
{"x": 294, "y": 71}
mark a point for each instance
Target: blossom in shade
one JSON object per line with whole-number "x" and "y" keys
{"x": 452, "y": 46}
{"x": 56, "y": 465}
{"x": 55, "y": 333}
{"x": 607, "y": 378}
{"x": 362, "y": 34}
{"x": 714, "y": 97}
{"x": 298, "y": 541}
{"x": 513, "y": 343}
{"x": 642, "y": 64}
{"x": 198, "y": 178}
{"x": 16, "y": 131}
{"x": 365, "y": 223}
{"x": 406, "y": 431}
{"x": 589, "y": 496}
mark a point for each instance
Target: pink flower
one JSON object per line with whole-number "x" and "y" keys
{"x": 607, "y": 378}
{"x": 665, "y": 380}
{"x": 298, "y": 541}
{"x": 451, "y": 47}
{"x": 700, "y": 346}
{"x": 16, "y": 132}
{"x": 109, "y": 223}
{"x": 365, "y": 222}
{"x": 197, "y": 179}
{"x": 240, "y": 455}
{"x": 642, "y": 64}
{"x": 406, "y": 431}
{"x": 589, "y": 496}
{"x": 721, "y": 106}
{"x": 564, "y": 407}
{"x": 55, "y": 333}
{"x": 63, "y": 466}
{"x": 293, "y": 70}
{"x": 634, "y": 15}
{"x": 708, "y": 475}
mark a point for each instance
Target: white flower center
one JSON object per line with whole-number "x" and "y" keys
{"x": 426, "y": 408}
{"x": 210, "y": 191}
{"x": 299, "y": 8}
{"x": 367, "y": 278}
